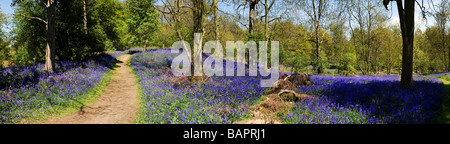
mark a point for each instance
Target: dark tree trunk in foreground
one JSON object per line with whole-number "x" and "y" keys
{"x": 407, "y": 22}
{"x": 50, "y": 48}
{"x": 406, "y": 16}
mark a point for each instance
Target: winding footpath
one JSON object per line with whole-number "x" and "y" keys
{"x": 117, "y": 105}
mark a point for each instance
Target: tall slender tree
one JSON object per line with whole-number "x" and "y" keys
{"x": 316, "y": 11}
{"x": 442, "y": 15}
{"x": 85, "y": 17}
{"x": 274, "y": 10}
{"x": 216, "y": 19}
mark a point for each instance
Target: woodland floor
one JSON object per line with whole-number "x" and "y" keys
{"x": 446, "y": 105}
{"x": 117, "y": 105}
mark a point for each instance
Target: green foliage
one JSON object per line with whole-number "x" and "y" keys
{"x": 29, "y": 35}
{"x": 420, "y": 57}
{"x": 229, "y": 30}
{"x": 4, "y": 49}
{"x": 323, "y": 62}
{"x": 114, "y": 25}
{"x": 142, "y": 21}
{"x": 298, "y": 62}
{"x": 435, "y": 49}
{"x": 166, "y": 35}
{"x": 295, "y": 50}
{"x": 110, "y": 17}
{"x": 105, "y": 23}
{"x": 259, "y": 36}
{"x": 346, "y": 66}
{"x": 71, "y": 41}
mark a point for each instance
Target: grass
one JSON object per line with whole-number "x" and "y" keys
{"x": 445, "y": 118}
{"x": 446, "y": 103}
{"x": 74, "y": 106}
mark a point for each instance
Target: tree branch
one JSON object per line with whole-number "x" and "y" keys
{"x": 312, "y": 40}
{"x": 36, "y": 18}
{"x": 14, "y": 3}
{"x": 386, "y": 3}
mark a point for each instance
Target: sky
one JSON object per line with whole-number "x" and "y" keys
{"x": 420, "y": 22}
{"x": 394, "y": 20}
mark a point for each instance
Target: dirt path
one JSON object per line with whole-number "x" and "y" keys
{"x": 118, "y": 104}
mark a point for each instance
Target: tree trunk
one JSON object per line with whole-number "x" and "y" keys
{"x": 319, "y": 67}
{"x": 445, "y": 58}
{"x": 447, "y": 66}
{"x": 50, "y": 48}
{"x": 252, "y": 16}
{"x": 266, "y": 24}
{"x": 198, "y": 13}
{"x": 178, "y": 31}
{"x": 406, "y": 16}
{"x": 145, "y": 46}
{"x": 317, "y": 15}
{"x": 389, "y": 71}
{"x": 216, "y": 19}
{"x": 85, "y": 17}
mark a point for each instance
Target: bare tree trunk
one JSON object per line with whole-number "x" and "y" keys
{"x": 50, "y": 48}
{"x": 317, "y": 16}
{"x": 176, "y": 16}
{"x": 319, "y": 67}
{"x": 266, "y": 21}
{"x": 445, "y": 57}
{"x": 252, "y": 15}
{"x": 85, "y": 17}
{"x": 444, "y": 48}
{"x": 198, "y": 13}
{"x": 369, "y": 38}
{"x": 389, "y": 71}
{"x": 216, "y": 19}
{"x": 406, "y": 16}
{"x": 145, "y": 46}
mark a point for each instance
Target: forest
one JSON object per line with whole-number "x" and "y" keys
{"x": 354, "y": 36}
{"x": 358, "y": 61}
